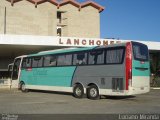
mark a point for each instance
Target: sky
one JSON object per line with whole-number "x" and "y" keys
{"x": 130, "y": 19}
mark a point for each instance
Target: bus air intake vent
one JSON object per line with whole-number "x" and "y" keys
{"x": 102, "y": 81}
{"x": 117, "y": 84}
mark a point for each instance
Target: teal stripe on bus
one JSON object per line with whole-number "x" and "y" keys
{"x": 138, "y": 64}
{"x": 49, "y": 76}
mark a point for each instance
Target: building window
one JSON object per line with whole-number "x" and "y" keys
{"x": 59, "y": 31}
{"x": 59, "y": 16}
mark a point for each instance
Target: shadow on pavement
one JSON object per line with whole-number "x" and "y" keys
{"x": 117, "y": 97}
{"x": 51, "y": 92}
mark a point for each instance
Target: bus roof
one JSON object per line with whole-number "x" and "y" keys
{"x": 58, "y": 51}
{"x": 67, "y": 50}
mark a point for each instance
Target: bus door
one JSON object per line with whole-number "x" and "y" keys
{"x": 140, "y": 66}
{"x": 16, "y": 72}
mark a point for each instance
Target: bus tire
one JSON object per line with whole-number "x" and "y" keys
{"x": 78, "y": 91}
{"x": 23, "y": 87}
{"x": 93, "y": 92}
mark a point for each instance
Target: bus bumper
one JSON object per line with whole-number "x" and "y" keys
{"x": 131, "y": 91}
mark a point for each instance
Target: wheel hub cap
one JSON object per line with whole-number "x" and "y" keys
{"x": 93, "y": 92}
{"x": 23, "y": 87}
{"x": 78, "y": 91}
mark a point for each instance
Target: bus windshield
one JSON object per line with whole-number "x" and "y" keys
{"x": 140, "y": 51}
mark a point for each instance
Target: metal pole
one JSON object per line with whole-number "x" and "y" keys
{"x": 5, "y": 21}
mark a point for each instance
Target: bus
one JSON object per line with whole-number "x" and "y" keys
{"x": 115, "y": 70}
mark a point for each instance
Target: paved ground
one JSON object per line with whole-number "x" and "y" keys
{"x": 35, "y": 102}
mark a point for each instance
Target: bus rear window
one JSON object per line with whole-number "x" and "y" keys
{"x": 140, "y": 51}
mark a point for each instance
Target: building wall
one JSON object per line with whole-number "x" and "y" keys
{"x": 2, "y": 12}
{"x": 24, "y": 19}
{"x": 83, "y": 23}
{"x": 91, "y": 18}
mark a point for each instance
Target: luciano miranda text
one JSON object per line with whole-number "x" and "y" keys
{"x": 139, "y": 116}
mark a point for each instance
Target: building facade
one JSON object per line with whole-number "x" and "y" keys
{"x": 50, "y": 18}
{"x": 55, "y": 18}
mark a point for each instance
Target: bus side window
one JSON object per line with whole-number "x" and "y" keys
{"x": 64, "y": 60}
{"x": 37, "y": 61}
{"x": 115, "y": 56}
{"x": 96, "y": 57}
{"x": 24, "y": 63}
{"x": 28, "y": 62}
{"x": 53, "y": 60}
{"x": 50, "y": 60}
{"x": 68, "y": 59}
{"x": 80, "y": 59}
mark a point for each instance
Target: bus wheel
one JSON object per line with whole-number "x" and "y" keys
{"x": 93, "y": 92}
{"x": 78, "y": 91}
{"x": 23, "y": 87}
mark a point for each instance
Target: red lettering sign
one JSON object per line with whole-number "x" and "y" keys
{"x": 105, "y": 42}
{"x": 111, "y": 42}
{"x": 69, "y": 42}
{"x": 84, "y": 42}
{"x": 91, "y": 42}
{"x": 98, "y": 42}
{"x": 76, "y": 41}
{"x": 60, "y": 42}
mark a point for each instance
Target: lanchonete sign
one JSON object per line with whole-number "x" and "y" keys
{"x": 69, "y": 41}
{"x": 65, "y": 41}
{"x": 55, "y": 41}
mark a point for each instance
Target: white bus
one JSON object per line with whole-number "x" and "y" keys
{"x": 118, "y": 70}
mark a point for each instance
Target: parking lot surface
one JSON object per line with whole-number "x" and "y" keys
{"x": 39, "y": 102}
